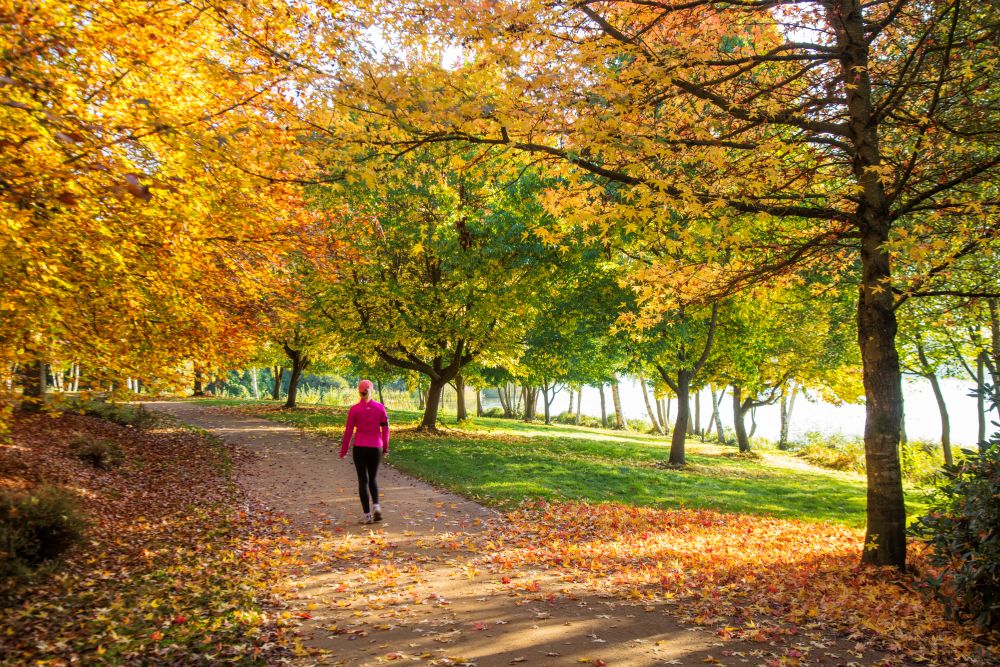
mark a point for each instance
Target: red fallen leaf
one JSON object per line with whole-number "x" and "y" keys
{"x": 304, "y": 614}
{"x": 505, "y": 580}
{"x": 179, "y": 620}
{"x": 479, "y": 626}
{"x": 156, "y": 636}
{"x": 394, "y": 656}
{"x": 600, "y": 663}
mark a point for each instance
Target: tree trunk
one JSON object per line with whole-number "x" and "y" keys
{"x": 661, "y": 418}
{"x": 570, "y": 409}
{"x": 690, "y": 422}
{"x": 300, "y": 361}
{"x": 995, "y": 350}
{"x": 198, "y": 390}
{"x": 787, "y": 405}
{"x": 604, "y": 407}
{"x": 479, "y": 402}
{"x": 620, "y": 423}
{"x": 278, "y": 374}
{"x": 720, "y": 433}
{"x": 981, "y": 401}
{"x": 256, "y": 388}
{"x": 681, "y": 425}
{"x": 421, "y": 397}
{"x": 504, "y": 401}
{"x": 739, "y": 412}
{"x": 928, "y": 372}
{"x": 33, "y": 386}
{"x": 432, "y": 405}
{"x": 666, "y": 410}
{"x": 76, "y": 378}
{"x": 460, "y": 411}
{"x": 753, "y": 422}
{"x": 545, "y": 400}
{"x": 649, "y": 407}
{"x": 579, "y": 403}
{"x": 697, "y": 415}
{"x": 530, "y": 402}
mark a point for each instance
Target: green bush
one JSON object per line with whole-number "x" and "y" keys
{"x": 103, "y": 454}
{"x": 135, "y": 416}
{"x": 36, "y": 527}
{"x": 922, "y": 461}
{"x": 493, "y": 412}
{"x": 963, "y": 534}
{"x": 834, "y": 452}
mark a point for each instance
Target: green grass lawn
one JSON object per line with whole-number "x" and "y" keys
{"x": 501, "y": 462}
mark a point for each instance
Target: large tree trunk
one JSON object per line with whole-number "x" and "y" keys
{"x": 33, "y": 386}
{"x": 649, "y": 406}
{"x": 885, "y": 540}
{"x": 681, "y": 425}
{"x": 530, "y": 402}
{"x": 739, "y": 412}
{"x": 433, "y": 403}
{"x": 620, "y": 423}
{"x": 787, "y": 405}
{"x": 604, "y": 407}
{"x": 460, "y": 411}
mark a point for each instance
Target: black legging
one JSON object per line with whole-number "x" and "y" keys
{"x": 366, "y": 460}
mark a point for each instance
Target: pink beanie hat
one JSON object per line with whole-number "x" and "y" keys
{"x": 365, "y": 385}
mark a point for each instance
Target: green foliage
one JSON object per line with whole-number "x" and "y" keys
{"x": 922, "y": 460}
{"x": 36, "y": 527}
{"x": 570, "y": 418}
{"x": 832, "y": 451}
{"x": 963, "y": 533}
{"x": 103, "y": 454}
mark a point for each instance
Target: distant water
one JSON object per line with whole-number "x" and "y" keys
{"x": 923, "y": 420}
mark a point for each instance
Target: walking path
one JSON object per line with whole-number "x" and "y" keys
{"x": 409, "y": 591}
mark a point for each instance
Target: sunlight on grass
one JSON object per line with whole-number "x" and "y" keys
{"x": 503, "y": 462}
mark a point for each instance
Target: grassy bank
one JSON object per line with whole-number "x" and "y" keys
{"x": 502, "y": 462}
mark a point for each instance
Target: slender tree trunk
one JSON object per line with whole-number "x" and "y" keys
{"x": 256, "y": 387}
{"x": 570, "y": 409}
{"x": 928, "y": 372}
{"x": 697, "y": 415}
{"x": 504, "y": 401}
{"x": 421, "y": 397}
{"x": 579, "y": 404}
{"x": 661, "y": 420}
{"x": 981, "y": 400}
{"x": 666, "y": 410}
{"x": 720, "y": 433}
{"x": 460, "y": 411}
{"x": 690, "y": 421}
{"x": 479, "y": 402}
{"x": 76, "y": 378}
{"x": 198, "y": 390}
{"x": 649, "y": 406}
{"x": 994, "y": 305}
{"x": 787, "y": 405}
{"x": 604, "y": 408}
{"x": 33, "y": 386}
{"x": 753, "y": 422}
{"x": 739, "y": 412}
{"x": 378, "y": 386}
{"x": 545, "y": 400}
{"x": 620, "y": 423}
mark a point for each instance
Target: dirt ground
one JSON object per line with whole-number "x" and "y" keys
{"x": 408, "y": 590}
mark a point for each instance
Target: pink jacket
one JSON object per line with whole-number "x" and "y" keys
{"x": 372, "y": 423}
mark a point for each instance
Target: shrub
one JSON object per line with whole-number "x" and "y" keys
{"x": 127, "y": 415}
{"x": 493, "y": 412}
{"x": 963, "y": 535}
{"x": 835, "y": 452}
{"x": 36, "y": 527}
{"x": 922, "y": 461}
{"x": 103, "y": 454}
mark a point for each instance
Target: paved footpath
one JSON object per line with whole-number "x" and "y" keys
{"x": 407, "y": 591}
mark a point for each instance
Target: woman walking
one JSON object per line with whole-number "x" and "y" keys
{"x": 370, "y": 442}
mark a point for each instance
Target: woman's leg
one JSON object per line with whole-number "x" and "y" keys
{"x": 373, "y": 460}
{"x": 361, "y": 466}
